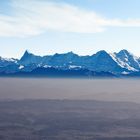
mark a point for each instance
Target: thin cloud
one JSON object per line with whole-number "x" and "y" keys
{"x": 34, "y": 17}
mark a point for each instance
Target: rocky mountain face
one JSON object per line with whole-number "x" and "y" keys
{"x": 121, "y": 63}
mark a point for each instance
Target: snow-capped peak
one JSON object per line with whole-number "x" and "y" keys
{"x": 126, "y": 60}
{"x": 122, "y": 62}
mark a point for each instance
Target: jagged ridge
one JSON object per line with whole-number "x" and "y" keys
{"x": 121, "y": 63}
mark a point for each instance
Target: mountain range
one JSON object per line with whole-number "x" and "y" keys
{"x": 70, "y": 64}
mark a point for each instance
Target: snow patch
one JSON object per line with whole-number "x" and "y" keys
{"x": 21, "y": 67}
{"x": 46, "y": 66}
{"x": 125, "y": 73}
{"x": 74, "y": 66}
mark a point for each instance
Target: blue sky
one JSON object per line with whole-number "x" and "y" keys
{"x": 83, "y": 26}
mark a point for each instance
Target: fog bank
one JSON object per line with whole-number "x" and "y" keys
{"x": 97, "y": 89}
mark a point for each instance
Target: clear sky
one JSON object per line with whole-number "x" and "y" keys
{"x": 56, "y": 26}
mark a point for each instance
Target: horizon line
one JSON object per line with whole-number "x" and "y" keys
{"x": 29, "y": 52}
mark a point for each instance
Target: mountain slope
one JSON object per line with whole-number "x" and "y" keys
{"x": 29, "y": 58}
{"x": 127, "y": 60}
{"x": 102, "y": 61}
{"x": 119, "y": 63}
{"x": 54, "y": 72}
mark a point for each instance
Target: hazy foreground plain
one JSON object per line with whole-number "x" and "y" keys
{"x": 93, "y": 89}
{"x": 65, "y": 109}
